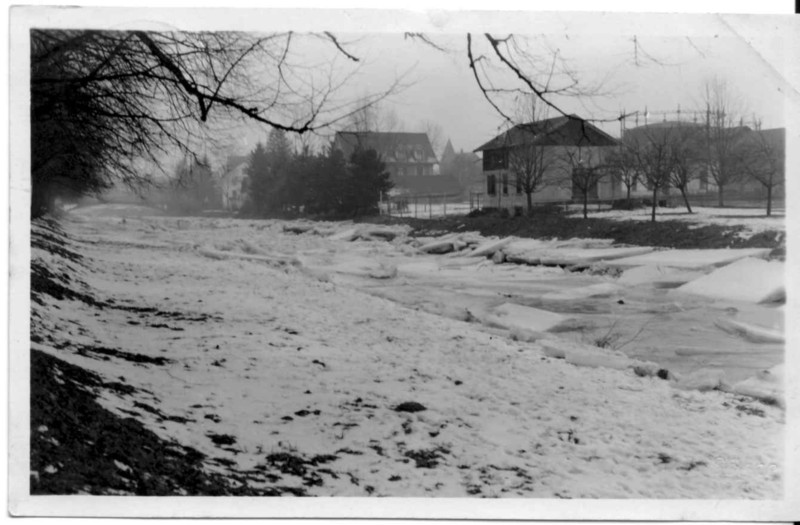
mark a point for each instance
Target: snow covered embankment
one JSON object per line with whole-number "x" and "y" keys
{"x": 282, "y": 381}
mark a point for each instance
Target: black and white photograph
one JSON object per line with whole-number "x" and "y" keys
{"x": 414, "y": 264}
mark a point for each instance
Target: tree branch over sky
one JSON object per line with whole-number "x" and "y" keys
{"x": 103, "y": 100}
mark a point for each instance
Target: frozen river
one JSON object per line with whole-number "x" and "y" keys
{"x": 285, "y": 354}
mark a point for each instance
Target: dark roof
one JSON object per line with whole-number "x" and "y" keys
{"x": 675, "y": 129}
{"x": 559, "y": 131}
{"x": 448, "y": 153}
{"x": 775, "y": 137}
{"x": 427, "y": 184}
{"x": 663, "y": 130}
{"x": 391, "y": 146}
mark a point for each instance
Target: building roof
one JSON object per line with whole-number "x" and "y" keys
{"x": 675, "y": 129}
{"x": 568, "y": 130}
{"x": 775, "y": 137}
{"x": 663, "y": 130}
{"x": 448, "y": 153}
{"x": 391, "y": 146}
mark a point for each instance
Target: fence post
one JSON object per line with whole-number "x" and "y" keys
{"x": 430, "y": 208}
{"x": 444, "y": 206}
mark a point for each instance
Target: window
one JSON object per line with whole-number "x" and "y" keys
{"x": 505, "y": 183}
{"x": 495, "y": 159}
{"x": 519, "y": 185}
{"x": 420, "y": 170}
{"x": 491, "y": 186}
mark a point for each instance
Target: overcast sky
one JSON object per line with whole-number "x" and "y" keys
{"x": 673, "y": 56}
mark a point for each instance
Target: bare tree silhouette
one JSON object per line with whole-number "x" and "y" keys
{"x": 100, "y": 100}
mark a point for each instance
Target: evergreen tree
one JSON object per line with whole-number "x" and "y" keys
{"x": 268, "y": 172}
{"x": 300, "y": 187}
{"x": 329, "y": 182}
{"x": 258, "y": 180}
{"x": 367, "y": 181}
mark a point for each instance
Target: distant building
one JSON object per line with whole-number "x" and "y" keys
{"x": 693, "y": 134}
{"x": 233, "y": 182}
{"x": 409, "y": 158}
{"x": 771, "y": 142}
{"x": 696, "y": 134}
{"x": 404, "y": 153}
{"x": 558, "y": 136}
{"x": 465, "y": 167}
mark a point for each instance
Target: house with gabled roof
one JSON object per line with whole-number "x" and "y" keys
{"x": 404, "y": 153}
{"x": 567, "y": 142}
{"x": 409, "y": 158}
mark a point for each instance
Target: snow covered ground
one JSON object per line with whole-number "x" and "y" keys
{"x": 312, "y": 346}
{"x": 753, "y": 219}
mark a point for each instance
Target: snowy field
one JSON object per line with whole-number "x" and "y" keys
{"x": 388, "y": 365}
{"x": 753, "y": 219}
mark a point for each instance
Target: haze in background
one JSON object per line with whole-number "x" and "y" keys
{"x": 637, "y": 62}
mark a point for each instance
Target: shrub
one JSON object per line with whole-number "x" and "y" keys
{"x": 625, "y": 204}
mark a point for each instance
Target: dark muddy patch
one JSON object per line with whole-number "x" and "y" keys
{"x": 551, "y": 223}
{"x": 304, "y": 468}
{"x": 426, "y": 458}
{"x": 161, "y": 415}
{"x": 78, "y": 447}
{"x": 107, "y": 353}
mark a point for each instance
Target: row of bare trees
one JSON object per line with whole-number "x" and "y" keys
{"x": 660, "y": 157}
{"x": 670, "y": 155}
{"x": 673, "y": 155}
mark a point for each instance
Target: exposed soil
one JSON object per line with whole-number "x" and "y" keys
{"x": 551, "y": 224}
{"x": 77, "y": 446}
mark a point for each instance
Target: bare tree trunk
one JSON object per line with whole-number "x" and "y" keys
{"x": 655, "y": 201}
{"x": 769, "y": 200}
{"x": 628, "y": 188}
{"x": 686, "y": 199}
{"x": 585, "y": 204}
{"x": 530, "y": 203}
{"x": 720, "y": 190}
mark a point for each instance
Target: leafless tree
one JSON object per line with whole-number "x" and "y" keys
{"x": 373, "y": 117}
{"x": 762, "y": 157}
{"x": 622, "y": 166}
{"x": 583, "y": 172}
{"x": 435, "y": 135}
{"x": 652, "y": 149}
{"x": 506, "y": 67}
{"x": 100, "y": 100}
{"x": 685, "y": 150}
{"x": 724, "y": 132}
{"x": 530, "y": 160}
